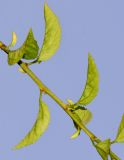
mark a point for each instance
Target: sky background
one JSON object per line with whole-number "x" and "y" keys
{"x": 87, "y": 25}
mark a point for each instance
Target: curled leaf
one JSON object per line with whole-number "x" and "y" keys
{"x": 38, "y": 128}
{"x": 52, "y": 35}
{"x": 14, "y": 40}
{"x": 120, "y": 134}
{"x": 92, "y": 83}
{"x": 103, "y": 148}
{"x": 76, "y": 134}
{"x": 84, "y": 116}
{"x": 28, "y": 50}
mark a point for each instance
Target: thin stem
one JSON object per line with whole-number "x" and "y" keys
{"x": 45, "y": 89}
{"x": 40, "y": 85}
{"x": 53, "y": 96}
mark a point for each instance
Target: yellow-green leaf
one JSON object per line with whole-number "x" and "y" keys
{"x": 14, "y": 56}
{"x": 92, "y": 83}
{"x": 103, "y": 148}
{"x": 120, "y": 134}
{"x": 70, "y": 101}
{"x": 52, "y": 35}
{"x": 14, "y": 40}
{"x": 84, "y": 116}
{"x": 28, "y": 50}
{"x": 103, "y": 154}
{"x": 38, "y": 128}
{"x": 76, "y": 134}
{"x": 104, "y": 145}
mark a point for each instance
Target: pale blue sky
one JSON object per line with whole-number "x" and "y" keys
{"x": 87, "y": 25}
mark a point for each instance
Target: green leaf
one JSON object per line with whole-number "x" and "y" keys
{"x": 103, "y": 148}
{"x": 83, "y": 115}
{"x": 52, "y": 35}
{"x": 120, "y": 134}
{"x": 28, "y": 50}
{"x": 92, "y": 83}
{"x": 114, "y": 156}
{"x": 30, "y": 47}
{"x": 38, "y": 128}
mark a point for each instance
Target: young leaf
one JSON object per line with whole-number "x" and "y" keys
{"x": 84, "y": 116}
{"x": 120, "y": 134}
{"x": 76, "y": 134}
{"x": 70, "y": 101}
{"x": 30, "y": 47}
{"x": 103, "y": 148}
{"x": 92, "y": 83}
{"x": 14, "y": 40}
{"x": 28, "y": 50}
{"x": 52, "y": 35}
{"x": 38, "y": 128}
{"x": 114, "y": 156}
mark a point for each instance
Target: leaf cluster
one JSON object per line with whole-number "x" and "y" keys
{"x": 30, "y": 49}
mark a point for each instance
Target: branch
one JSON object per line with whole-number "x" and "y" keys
{"x": 44, "y": 88}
